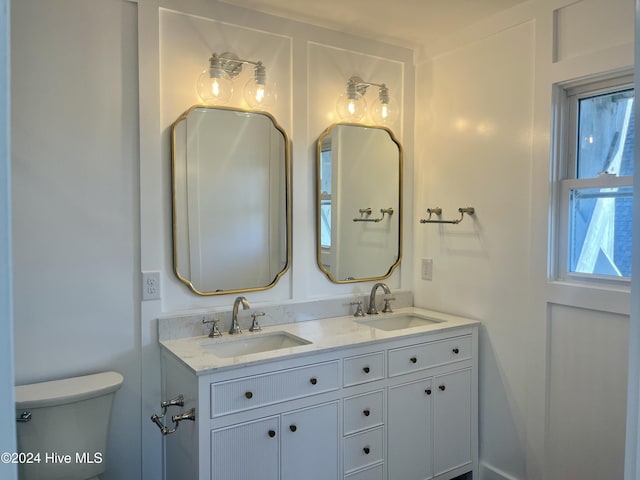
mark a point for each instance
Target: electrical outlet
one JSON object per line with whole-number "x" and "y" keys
{"x": 150, "y": 285}
{"x": 427, "y": 268}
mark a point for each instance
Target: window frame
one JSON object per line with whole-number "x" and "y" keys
{"x": 565, "y": 149}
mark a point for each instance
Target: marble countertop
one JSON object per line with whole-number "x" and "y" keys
{"x": 326, "y": 334}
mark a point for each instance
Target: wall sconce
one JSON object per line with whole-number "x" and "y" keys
{"x": 215, "y": 84}
{"x": 352, "y": 106}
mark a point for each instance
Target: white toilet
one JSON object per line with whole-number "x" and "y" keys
{"x": 65, "y": 435}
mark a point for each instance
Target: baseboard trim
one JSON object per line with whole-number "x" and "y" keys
{"x": 489, "y": 472}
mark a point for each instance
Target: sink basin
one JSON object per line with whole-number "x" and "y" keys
{"x": 397, "y": 323}
{"x": 253, "y": 343}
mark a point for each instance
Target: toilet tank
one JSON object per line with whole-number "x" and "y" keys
{"x": 66, "y": 437}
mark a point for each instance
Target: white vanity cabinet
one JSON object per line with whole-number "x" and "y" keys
{"x": 291, "y": 446}
{"x": 432, "y": 420}
{"x": 400, "y": 408}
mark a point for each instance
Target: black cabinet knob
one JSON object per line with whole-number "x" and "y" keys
{"x": 313, "y": 380}
{"x": 293, "y": 428}
{"x": 272, "y": 433}
{"x": 366, "y": 369}
{"x": 456, "y": 350}
{"x": 442, "y": 388}
{"x": 248, "y": 395}
{"x": 366, "y": 450}
{"x": 428, "y": 391}
{"x": 413, "y": 359}
{"x": 366, "y": 412}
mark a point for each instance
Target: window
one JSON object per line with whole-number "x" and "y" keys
{"x": 325, "y": 195}
{"x": 596, "y": 178}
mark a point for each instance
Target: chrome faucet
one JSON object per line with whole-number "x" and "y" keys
{"x": 235, "y": 327}
{"x": 372, "y": 297}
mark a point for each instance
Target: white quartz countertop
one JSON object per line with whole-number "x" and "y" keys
{"x": 198, "y": 353}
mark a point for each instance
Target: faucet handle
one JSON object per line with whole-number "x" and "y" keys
{"x": 215, "y": 331}
{"x": 358, "y": 312}
{"x": 255, "y": 326}
{"x": 387, "y": 305}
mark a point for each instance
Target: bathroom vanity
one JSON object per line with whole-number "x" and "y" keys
{"x": 389, "y": 396}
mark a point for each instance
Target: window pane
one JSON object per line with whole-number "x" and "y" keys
{"x": 325, "y": 198}
{"x": 600, "y": 231}
{"x": 605, "y": 135}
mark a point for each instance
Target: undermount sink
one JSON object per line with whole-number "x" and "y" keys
{"x": 397, "y": 323}
{"x": 253, "y": 343}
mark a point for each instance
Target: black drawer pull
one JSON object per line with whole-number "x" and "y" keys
{"x": 248, "y": 395}
{"x": 293, "y": 428}
{"x": 413, "y": 359}
{"x": 428, "y": 391}
{"x": 272, "y": 433}
{"x": 456, "y": 350}
{"x": 442, "y": 388}
{"x": 366, "y": 412}
{"x": 366, "y": 369}
{"x": 366, "y": 450}
{"x": 313, "y": 380}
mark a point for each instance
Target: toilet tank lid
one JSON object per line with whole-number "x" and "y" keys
{"x": 67, "y": 390}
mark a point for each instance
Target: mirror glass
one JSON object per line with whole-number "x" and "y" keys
{"x": 231, "y": 209}
{"x": 359, "y": 203}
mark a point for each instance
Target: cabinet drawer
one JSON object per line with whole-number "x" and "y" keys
{"x": 374, "y": 473}
{"x": 363, "y": 368}
{"x": 363, "y": 411}
{"x": 427, "y": 355}
{"x": 363, "y": 449}
{"x": 274, "y": 387}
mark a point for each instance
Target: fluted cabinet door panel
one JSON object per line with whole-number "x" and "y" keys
{"x": 310, "y": 443}
{"x": 409, "y": 427}
{"x": 452, "y": 420}
{"x": 246, "y": 451}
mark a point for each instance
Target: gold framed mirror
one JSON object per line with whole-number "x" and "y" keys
{"x": 358, "y": 202}
{"x": 231, "y": 185}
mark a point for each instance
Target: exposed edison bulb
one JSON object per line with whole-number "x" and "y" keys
{"x": 214, "y": 85}
{"x": 260, "y": 96}
{"x": 258, "y": 92}
{"x": 351, "y": 107}
{"x": 384, "y": 110}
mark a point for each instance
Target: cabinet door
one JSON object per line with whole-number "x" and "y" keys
{"x": 451, "y": 420}
{"x": 310, "y": 443}
{"x": 246, "y": 451}
{"x": 409, "y": 429}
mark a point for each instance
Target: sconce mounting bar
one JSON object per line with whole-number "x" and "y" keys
{"x": 232, "y": 64}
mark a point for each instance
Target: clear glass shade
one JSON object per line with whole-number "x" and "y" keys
{"x": 351, "y": 107}
{"x": 260, "y": 95}
{"x": 384, "y": 113}
{"x": 214, "y": 87}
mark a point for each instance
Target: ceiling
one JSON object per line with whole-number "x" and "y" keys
{"x": 409, "y": 23}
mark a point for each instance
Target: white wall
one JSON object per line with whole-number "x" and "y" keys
{"x": 7, "y": 424}
{"x": 75, "y": 208}
{"x": 552, "y": 356}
